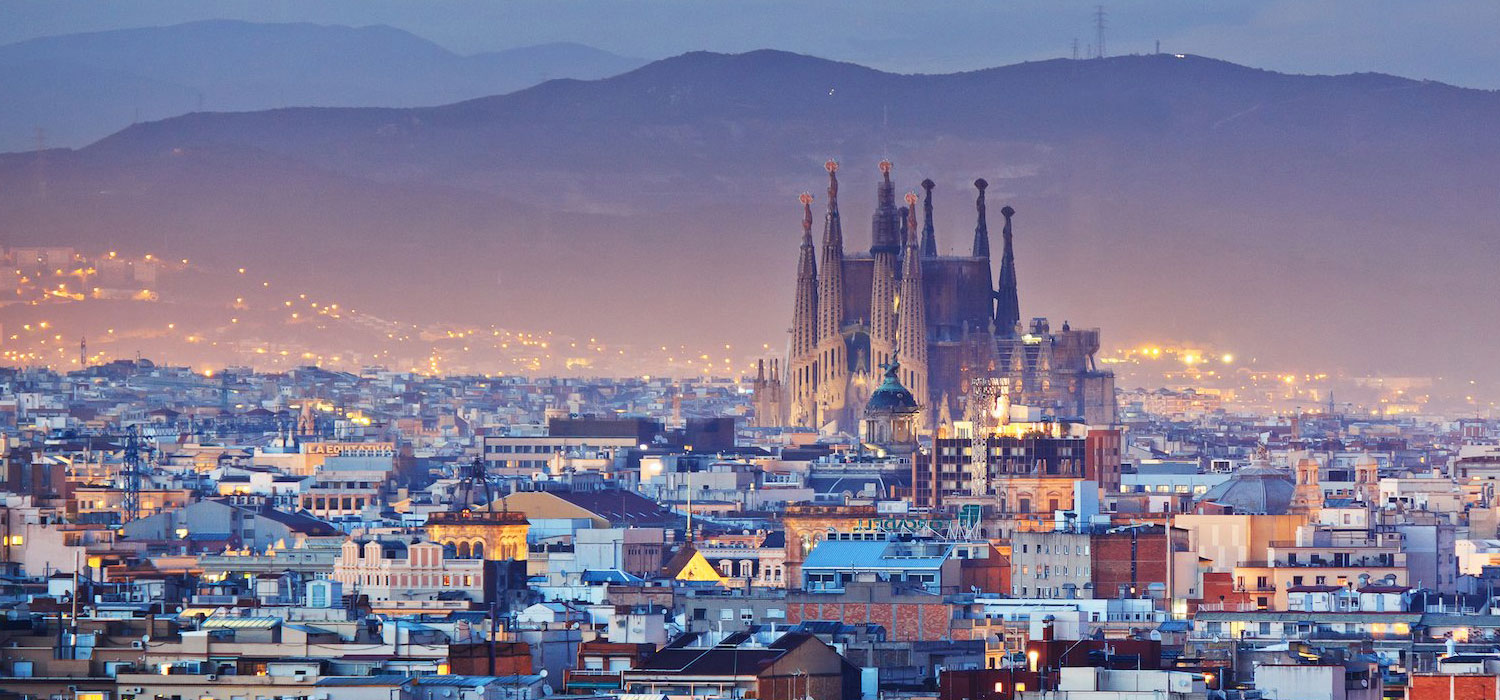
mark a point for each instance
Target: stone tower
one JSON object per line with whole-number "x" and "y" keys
{"x": 830, "y": 362}
{"x": 1007, "y": 297}
{"x": 885, "y": 247}
{"x": 911, "y": 310}
{"x": 802, "y": 380}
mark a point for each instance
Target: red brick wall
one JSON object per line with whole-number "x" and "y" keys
{"x": 1111, "y": 562}
{"x": 1101, "y": 460}
{"x": 1443, "y": 687}
{"x": 903, "y": 622}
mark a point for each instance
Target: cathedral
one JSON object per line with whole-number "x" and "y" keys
{"x": 942, "y": 320}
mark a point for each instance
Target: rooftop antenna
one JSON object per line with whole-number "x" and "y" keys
{"x": 1099, "y": 30}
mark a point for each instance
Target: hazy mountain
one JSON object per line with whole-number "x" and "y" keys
{"x": 1319, "y": 221}
{"x": 81, "y": 87}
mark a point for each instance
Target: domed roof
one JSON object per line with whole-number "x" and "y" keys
{"x": 1258, "y": 488}
{"x": 890, "y": 396}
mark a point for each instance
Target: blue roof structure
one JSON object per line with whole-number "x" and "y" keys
{"x": 867, "y": 555}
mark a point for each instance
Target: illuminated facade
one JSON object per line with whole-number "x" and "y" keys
{"x": 399, "y": 571}
{"x": 1028, "y": 467}
{"x": 479, "y": 534}
{"x": 941, "y": 315}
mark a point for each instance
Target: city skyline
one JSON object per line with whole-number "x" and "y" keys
{"x": 773, "y": 350}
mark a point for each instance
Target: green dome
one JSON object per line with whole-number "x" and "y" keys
{"x": 890, "y": 396}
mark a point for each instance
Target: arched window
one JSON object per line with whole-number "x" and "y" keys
{"x": 478, "y": 550}
{"x": 463, "y": 550}
{"x": 450, "y": 550}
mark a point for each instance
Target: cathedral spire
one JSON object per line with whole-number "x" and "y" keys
{"x": 831, "y": 283}
{"x": 885, "y": 225}
{"x": 985, "y": 301}
{"x": 885, "y": 248}
{"x": 1007, "y": 297}
{"x": 911, "y": 307}
{"x": 982, "y": 229}
{"x": 802, "y": 380}
{"x": 805, "y": 313}
{"x": 929, "y": 235}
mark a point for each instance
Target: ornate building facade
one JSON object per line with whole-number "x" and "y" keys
{"x": 942, "y": 316}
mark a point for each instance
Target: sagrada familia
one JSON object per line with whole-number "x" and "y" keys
{"x": 941, "y": 319}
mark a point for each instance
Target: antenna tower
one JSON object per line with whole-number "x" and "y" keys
{"x": 1099, "y": 30}
{"x": 130, "y": 508}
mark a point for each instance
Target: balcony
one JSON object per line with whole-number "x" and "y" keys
{"x": 1228, "y": 607}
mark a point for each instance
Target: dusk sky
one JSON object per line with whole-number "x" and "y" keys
{"x": 1447, "y": 40}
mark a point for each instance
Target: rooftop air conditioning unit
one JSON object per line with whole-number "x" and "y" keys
{"x": 212, "y": 677}
{"x": 137, "y": 644}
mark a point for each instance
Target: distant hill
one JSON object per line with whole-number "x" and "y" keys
{"x": 1324, "y": 221}
{"x": 81, "y": 87}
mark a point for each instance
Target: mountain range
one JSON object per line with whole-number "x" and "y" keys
{"x": 1328, "y": 223}
{"x": 78, "y": 88}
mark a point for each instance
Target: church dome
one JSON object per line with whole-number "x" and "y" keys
{"x": 1257, "y": 489}
{"x": 891, "y": 396}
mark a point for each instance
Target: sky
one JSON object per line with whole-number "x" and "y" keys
{"x": 1451, "y": 41}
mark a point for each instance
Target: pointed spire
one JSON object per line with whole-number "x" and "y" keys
{"x": 1008, "y": 303}
{"x": 929, "y": 236}
{"x": 807, "y": 220}
{"x": 982, "y": 229}
{"x": 911, "y": 322}
{"x": 805, "y": 313}
{"x": 832, "y": 166}
{"x": 831, "y": 282}
{"x": 885, "y": 233}
{"x": 911, "y": 217}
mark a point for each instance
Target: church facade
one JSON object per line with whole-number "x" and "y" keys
{"x": 942, "y": 319}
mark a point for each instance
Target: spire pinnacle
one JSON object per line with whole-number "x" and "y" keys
{"x": 807, "y": 219}
{"x": 832, "y": 166}
{"x": 929, "y": 235}
{"x": 911, "y": 219}
{"x": 885, "y": 226}
{"x": 982, "y": 229}
{"x": 1007, "y": 297}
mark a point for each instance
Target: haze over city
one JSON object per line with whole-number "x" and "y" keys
{"x": 669, "y": 350}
